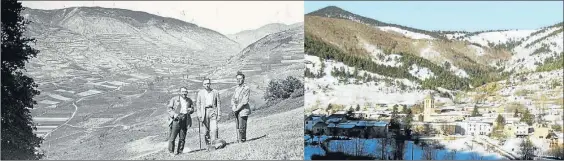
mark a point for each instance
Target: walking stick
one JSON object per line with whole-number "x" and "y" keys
{"x": 199, "y": 133}
{"x": 236, "y": 124}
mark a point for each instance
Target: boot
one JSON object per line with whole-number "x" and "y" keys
{"x": 207, "y": 139}
{"x": 242, "y": 138}
{"x": 180, "y": 147}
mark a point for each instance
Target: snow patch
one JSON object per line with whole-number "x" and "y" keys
{"x": 429, "y": 53}
{"x": 406, "y": 33}
{"x": 479, "y": 51}
{"x": 379, "y": 57}
{"x": 499, "y": 37}
{"x": 458, "y": 72}
{"x": 422, "y": 73}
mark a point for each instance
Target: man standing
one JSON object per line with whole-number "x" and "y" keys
{"x": 179, "y": 109}
{"x": 240, "y": 106}
{"x": 208, "y": 105}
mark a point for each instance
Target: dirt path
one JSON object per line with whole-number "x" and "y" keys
{"x": 75, "y": 111}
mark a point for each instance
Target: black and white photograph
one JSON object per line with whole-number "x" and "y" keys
{"x": 148, "y": 80}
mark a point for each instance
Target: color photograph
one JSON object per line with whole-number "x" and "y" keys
{"x": 433, "y": 80}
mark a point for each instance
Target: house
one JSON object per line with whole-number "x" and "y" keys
{"x": 360, "y": 114}
{"x": 377, "y": 129}
{"x": 336, "y": 118}
{"x": 320, "y": 128}
{"x": 540, "y": 131}
{"x": 521, "y": 130}
{"x": 311, "y": 120}
{"x": 474, "y": 128}
{"x": 345, "y": 128}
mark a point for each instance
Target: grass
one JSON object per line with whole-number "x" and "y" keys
{"x": 144, "y": 123}
{"x": 277, "y": 139}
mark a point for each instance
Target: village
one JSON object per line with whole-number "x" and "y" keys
{"x": 450, "y": 122}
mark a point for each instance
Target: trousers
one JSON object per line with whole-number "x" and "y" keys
{"x": 178, "y": 128}
{"x": 242, "y": 128}
{"x": 210, "y": 125}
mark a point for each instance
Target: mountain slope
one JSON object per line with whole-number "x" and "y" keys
{"x": 353, "y": 60}
{"x": 382, "y": 47}
{"x": 530, "y": 48}
{"x": 275, "y": 56}
{"x": 99, "y": 39}
{"x": 336, "y": 12}
{"x": 247, "y": 37}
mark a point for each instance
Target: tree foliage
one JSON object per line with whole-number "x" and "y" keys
{"x": 552, "y": 63}
{"x": 283, "y": 89}
{"x": 443, "y": 77}
{"x": 18, "y": 140}
{"x": 475, "y": 112}
{"x": 527, "y": 117}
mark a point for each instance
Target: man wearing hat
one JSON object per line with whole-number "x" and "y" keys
{"x": 240, "y": 106}
{"x": 179, "y": 109}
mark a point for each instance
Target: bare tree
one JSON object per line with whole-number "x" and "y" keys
{"x": 450, "y": 155}
{"x": 527, "y": 150}
{"x": 429, "y": 153}
{"x": 384, "y": 144}
{"x": 399, "y": 149}
{"x": 474, "y": 156}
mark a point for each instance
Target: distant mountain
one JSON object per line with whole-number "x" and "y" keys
{"x": 336, "y": 12}
{"x": 247, "y": 37}
{"x": 120, "y": 40}
{"x": 531, "y": 49}
{"x": 453, "y": 60}
{"x": 274, "y": 56}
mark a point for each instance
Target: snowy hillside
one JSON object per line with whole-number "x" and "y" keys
{"x": 499, "y": 37}
{"x": 409, "y": 34}
{"x": 529, "y": 48}
{"x": 534, "y": 50}
{"x": 334, "y": 90}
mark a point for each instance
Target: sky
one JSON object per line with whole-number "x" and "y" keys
{"x": 455, "y": 15}
{"x": 225, "y": 17}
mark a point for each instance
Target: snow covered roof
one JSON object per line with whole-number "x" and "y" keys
{"x": 334, "y": 119}
{"x": 377, "y": 123}
{"x": 361, "y": 123}
{"x": 346, "y": 125}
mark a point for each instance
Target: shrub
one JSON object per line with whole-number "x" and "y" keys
{"x": 283, "y": 89}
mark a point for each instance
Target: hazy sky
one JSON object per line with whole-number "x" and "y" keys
{"x": 225, "y": 17}
{"x": 455, "y": 15}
